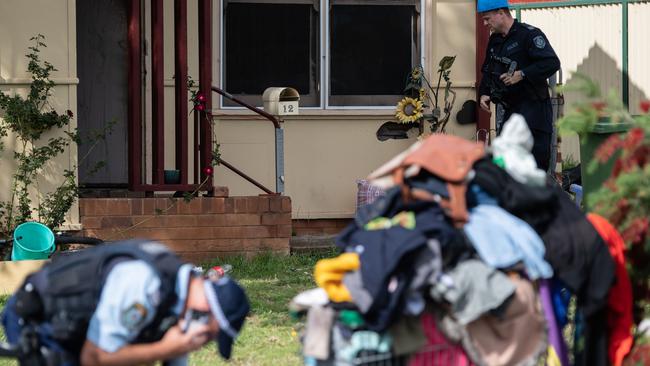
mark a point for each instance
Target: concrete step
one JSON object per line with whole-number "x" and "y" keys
{"x": 311, "y": 243}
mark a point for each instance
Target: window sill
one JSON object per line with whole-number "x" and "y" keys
{"x": 312, "y": 114}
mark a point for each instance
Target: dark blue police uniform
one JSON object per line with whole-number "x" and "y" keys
{"x": 527, "y": 49}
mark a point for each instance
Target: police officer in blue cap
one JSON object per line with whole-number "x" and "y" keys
{"x": 125, "y": 303}
{"x": 518, "y": 62}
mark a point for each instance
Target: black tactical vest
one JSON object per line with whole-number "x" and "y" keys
{"x": 67, "y": 290}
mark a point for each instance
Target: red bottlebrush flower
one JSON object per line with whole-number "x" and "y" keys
{"x": 607, "y": 149}
{"x": 645, "y": 106}
{"x": 208, "y": 171}
{"x": 641, "y": 155}
{"x": 599, "y": 106}
{"x": 634, "y": 138}
{"x": 636, "y": 231}
{"x": 618, "y": 168}
{"x": 635, "y": 153}
{"x": 69, "y": 113}
{"x": 610, "y": 184}
{"x": 200, "y": 107}
{"x": 201, "y": 98}
{"x": 623, "y": 206}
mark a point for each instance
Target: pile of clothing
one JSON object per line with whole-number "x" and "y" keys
{"x": 470, "y": 258}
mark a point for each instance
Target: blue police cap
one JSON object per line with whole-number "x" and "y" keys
{"x": 487, "y": 5}
{"x": 230, "y": 306}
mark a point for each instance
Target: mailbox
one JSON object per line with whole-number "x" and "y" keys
{"x": 281, "y": 101}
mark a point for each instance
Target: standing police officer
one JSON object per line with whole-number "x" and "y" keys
{"x": 518, "y": 62}
{"x": 121, "y": 304}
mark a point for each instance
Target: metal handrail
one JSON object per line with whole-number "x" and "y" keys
{"x": 261, "y": 112}
{"x": 279, "y": 145}
{"x": 245, "y": 176}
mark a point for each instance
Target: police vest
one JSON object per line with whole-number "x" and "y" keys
{"x": 67, "y": 290}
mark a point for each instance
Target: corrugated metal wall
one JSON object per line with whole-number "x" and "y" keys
{"x": 639, "y": 53}
{"x": 589, "y": 39}
{"x": 586, "y": 38}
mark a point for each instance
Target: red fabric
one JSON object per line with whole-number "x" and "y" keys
{"x": 438, "y": 351}
{"x": 619, "y": 299}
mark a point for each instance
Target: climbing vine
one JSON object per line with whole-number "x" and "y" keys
{"x": 31, "y": 120}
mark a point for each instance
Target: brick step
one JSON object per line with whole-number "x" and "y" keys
{"x": 203, "y": 228}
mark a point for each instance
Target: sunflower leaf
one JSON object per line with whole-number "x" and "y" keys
{"x": 446, "y": 62}
{"x": 411, "y": 87}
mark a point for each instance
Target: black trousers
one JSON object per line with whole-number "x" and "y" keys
{"x": 539, "y": 117}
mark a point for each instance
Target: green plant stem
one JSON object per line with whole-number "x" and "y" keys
{"x": 14, "y": 191}
{"x": 431, "y": 88}
{"x": 28, "y": 118}
{"x": 438, "y": 86}
{"x": 83, "y": 158}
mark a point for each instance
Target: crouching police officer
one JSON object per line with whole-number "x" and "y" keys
{"x": 125, "y": 303}
{"x": 519, "y": 60}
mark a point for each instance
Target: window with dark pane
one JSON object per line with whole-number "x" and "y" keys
{"x": 271, "y": 44}
{"x": 372, "y": 50}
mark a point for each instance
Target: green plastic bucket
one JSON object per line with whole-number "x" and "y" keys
{"x": 32, "y": 240}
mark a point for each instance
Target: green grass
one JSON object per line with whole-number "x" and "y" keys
{"x": 271, "y": 281}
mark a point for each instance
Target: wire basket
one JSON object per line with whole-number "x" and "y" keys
{"x": 432, "y": 355}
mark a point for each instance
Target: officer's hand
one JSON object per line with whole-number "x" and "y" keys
{"x": 485, "y": 103}
{"x": 511, "y": 80}
{"x": 178, "y": 343}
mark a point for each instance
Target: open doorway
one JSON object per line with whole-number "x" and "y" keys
{"x": 102, "y": 93}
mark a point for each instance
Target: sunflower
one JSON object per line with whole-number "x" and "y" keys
{"x": 416, "y": 73}
{"x": 409, "y": 110}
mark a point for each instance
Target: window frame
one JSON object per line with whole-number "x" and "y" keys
{"x": 323, "y": 84}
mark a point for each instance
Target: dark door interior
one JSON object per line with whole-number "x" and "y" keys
{"x": 102, "y": 92}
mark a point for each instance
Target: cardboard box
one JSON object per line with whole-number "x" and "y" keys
{"x": 13, "y": 273}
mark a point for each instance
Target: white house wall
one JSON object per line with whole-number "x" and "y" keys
{"x": 19, "y": 21}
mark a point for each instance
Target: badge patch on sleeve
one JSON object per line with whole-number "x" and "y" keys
{"x": 133, "y": 316}
{"x": 539, "y": 42}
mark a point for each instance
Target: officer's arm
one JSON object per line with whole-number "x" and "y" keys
{"x": 484, "y": 87}
{"x": 128, "y": 355}
{"x": 544, "y": 61}
{"x": 174, "y": 344}
{"x": 124, "y": 309}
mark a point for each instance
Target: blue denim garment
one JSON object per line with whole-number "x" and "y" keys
{"x": 502, "y": 240}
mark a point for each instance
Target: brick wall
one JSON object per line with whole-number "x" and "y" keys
{"x": 304, "y": 227}
{"x": 204, "y": 228}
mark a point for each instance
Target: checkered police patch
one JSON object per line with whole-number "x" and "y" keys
{"x": 539, "y": 42}
{"x": 133, "y": 316}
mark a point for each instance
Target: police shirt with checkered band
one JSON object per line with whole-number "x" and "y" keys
{"x": 123, "y": 311}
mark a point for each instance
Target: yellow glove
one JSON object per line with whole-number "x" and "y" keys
{"x": 329, "y": 273}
